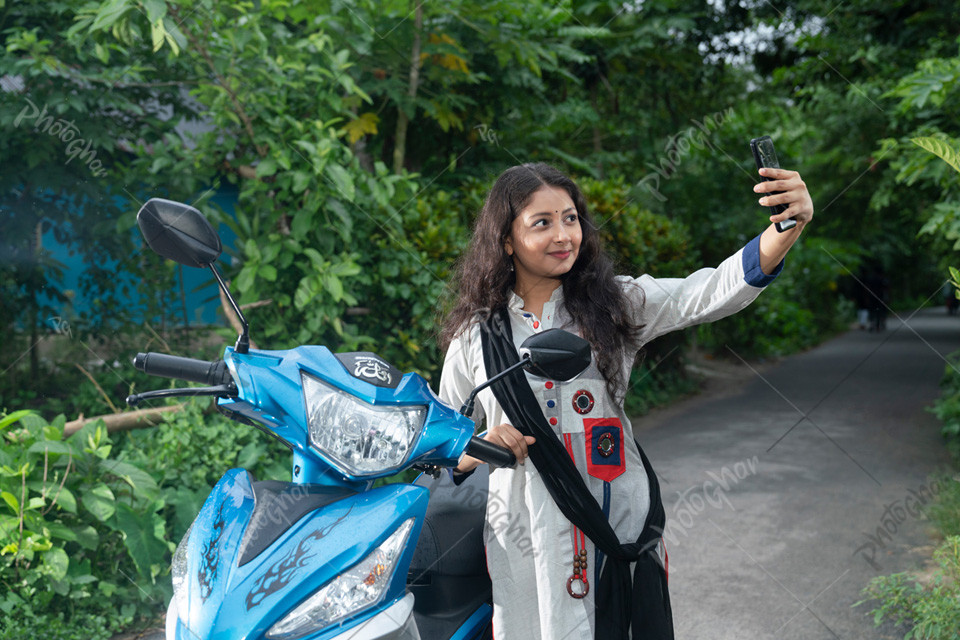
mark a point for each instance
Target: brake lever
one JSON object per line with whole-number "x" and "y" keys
{"x": 226, "y": 390}
{"x": 429, "y": 469}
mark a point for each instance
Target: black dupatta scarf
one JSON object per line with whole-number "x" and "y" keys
{"x": 640, "y": 602}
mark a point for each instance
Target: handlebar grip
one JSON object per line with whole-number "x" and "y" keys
{"x": 165, "y": 366}
{"x": 492, "y": 454}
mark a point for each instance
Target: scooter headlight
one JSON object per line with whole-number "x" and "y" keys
{"x": 360, "y": 438}
{"x": 358, "y": 588}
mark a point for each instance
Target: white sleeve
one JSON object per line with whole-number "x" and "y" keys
{"x": 458, "y": 374}
{"x": 668, "y": 304}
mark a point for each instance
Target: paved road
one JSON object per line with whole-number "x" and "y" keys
{"x": 771, "y": 491}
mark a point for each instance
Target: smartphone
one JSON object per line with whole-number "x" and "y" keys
{"x": 766, "y": 156}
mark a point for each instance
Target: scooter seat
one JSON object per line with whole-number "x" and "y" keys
{"x": 448, "y": 573}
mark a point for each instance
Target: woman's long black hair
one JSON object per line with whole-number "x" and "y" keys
{"x": 483, "y": 278}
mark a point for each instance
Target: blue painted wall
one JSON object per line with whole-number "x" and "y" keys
{"x": 203, "y": 302}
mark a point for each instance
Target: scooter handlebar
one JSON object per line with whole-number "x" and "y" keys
{"x": 492, "y": 454}
{"x": 166, "y": 366}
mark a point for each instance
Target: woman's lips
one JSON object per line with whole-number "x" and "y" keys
{"x": 561, "y": 255}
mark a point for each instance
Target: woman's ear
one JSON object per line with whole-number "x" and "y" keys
{"x": 508, "y": 246}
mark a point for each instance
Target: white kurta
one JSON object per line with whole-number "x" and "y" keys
{"x": 529, "y": 543}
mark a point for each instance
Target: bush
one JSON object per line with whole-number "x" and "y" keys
{"x": 81, "y": 535}
{"x": 947, "y": 406}
{"x": 931, "y": 611}
{"x": 190, "y": 450}
{"x": 798, "y": 310}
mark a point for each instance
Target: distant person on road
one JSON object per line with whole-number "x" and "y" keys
{"x": 535, "y": 263}
{"x": 950, "y": 298}
{"x": 878, "y": 289}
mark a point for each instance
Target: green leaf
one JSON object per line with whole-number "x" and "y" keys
{"x": 88, "y": 538}
{"x": 100, "y": 502}
{"x": 342, "y": 180}
{"x": 245, "y": 278}
{"x": 53, "y": 447}
{"x": 11, "y": 500}
{"x": 334, "y": 286}
{"x": 268, "y": 272}
{"x": 315, "y": 258}
{"x": 56, "y": 563}
{"x": 306, "y": 292}
{"x": 157, "y": 34}
{"x": 140, "y": 539}
{"x": 64, "y": 498}
{"x": 175, "y": 37}
{"x": 61, "y": 531}
{"x": 940, "y": 149}
{"x": 109, "y": 13}
{"x": 301, "y": 224}
{"x": 142, "y": 482}
{"x": 301, "y": 179}
{"x": 12, "y": 418}
{"x": 156, "y": 9}
{"x": 267, "y": 167}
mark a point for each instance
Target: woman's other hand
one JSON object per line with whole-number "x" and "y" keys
{"x": 505, "y": 436}
{"x": 509, "y": 438}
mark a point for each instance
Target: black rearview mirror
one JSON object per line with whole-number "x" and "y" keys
{"x": 556, "y": 354}
{"x": 178, "y": 232}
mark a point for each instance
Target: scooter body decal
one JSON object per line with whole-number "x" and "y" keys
{"x": 210, "y": 560}
{"x": 279, "y": 575}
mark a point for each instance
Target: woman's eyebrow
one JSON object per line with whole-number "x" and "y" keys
{"x": 547, "y": 213}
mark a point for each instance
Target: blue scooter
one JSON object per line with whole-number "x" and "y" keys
{"x": 327, "y": 555}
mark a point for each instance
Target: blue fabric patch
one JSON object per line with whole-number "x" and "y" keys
{"x": 752, "y": 273}
{"x": 600, "y": 436}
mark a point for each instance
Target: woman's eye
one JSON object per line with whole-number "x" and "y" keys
{"x": 572, "y": 218}
{"x": 542, "y": 222}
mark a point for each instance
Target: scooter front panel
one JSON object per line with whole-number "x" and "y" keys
{"x": 244, "y": 602}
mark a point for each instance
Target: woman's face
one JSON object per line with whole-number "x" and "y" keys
{"x": 545, "y": 237}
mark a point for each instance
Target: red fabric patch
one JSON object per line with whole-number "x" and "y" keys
{"x": 604, "y": 440}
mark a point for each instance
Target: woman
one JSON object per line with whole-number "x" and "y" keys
{"x": 535, "y": 262}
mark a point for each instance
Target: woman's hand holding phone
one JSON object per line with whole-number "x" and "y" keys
{"x": 793, "y": 194}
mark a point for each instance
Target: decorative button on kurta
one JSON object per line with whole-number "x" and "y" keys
{"x": 536, "y": 325}
{"x": 548, "y": 385}
{"x": 583, "y": 402}
{"x": 553, "y": 421}
{"x": 551, "y": 404}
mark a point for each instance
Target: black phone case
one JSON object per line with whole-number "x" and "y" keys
{"x": 766, "y": 156}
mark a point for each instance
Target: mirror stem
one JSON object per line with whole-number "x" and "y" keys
{"x": 243, "y": 341}
{"x": 468, "y": 405}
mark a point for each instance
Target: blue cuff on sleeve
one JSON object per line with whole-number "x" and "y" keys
{"x": 752, "y": 272}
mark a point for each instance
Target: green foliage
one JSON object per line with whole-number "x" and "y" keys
{"x": 639, "y": 240}
{"x": 947, "y": 406}
{"x": 657, "y": 382}
{"x": 81, "y": 533}
{"x": 794, "y": 312}
{"x": 190, "y": 450}
{"x": 929, "y": 610}
{"x": 945, "y": 512}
